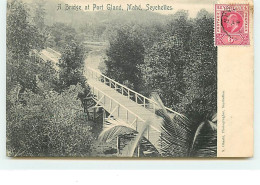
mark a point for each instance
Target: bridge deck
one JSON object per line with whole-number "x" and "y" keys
{"x": 123, "y": 108}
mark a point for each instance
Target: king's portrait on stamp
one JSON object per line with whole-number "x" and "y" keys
{"x": 232, "y": 24}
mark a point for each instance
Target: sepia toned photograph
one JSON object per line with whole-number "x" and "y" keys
{"x": 110, "y": 80}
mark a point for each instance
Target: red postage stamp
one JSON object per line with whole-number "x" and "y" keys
{"x": 232, "y": 24}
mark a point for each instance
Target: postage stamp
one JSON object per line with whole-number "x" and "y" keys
{"x": 232, "y": 24}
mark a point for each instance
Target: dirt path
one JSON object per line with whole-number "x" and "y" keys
{"x": 95, "y": 57}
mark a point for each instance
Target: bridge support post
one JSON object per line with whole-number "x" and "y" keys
{"x": 138, "y": 150}
{"x": 94, "y": 113}
{"x": 104, "y": 116}
{"x": 118, "y": 145}
{"x": 148, "y": 132}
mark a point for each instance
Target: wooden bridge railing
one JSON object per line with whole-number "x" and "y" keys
{"x": 116, "y": 108}
{"x": 134, "y": 96}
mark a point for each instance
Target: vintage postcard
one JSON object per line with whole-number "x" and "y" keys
{"x": 143, "y": 79}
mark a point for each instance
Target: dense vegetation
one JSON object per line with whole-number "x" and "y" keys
{"x": 125, "y": 54}
{"x": 44, "y": 113}
{"x": 181, "y": 66}
{"x": 172, "y": 55}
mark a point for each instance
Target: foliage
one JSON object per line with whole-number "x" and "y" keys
{"x": 60, "y": 35}
{"x": 176, "y": 131}
{"x": 176, "y": 135}
{"x": 180, "y": 26}
{"x": 173, "y": 55}
{"x": 21, "y": 38}
{"x": 205, "y": 140}
{"x": 21, "y": 35}
{"x": 200, "y": 73}
{"x": 178, "y": 139}
{"x": 117, "y": 128}
{"x": 162, "y": 70}
{"x": 182, "y": 67}
{"x": 71, "y": 66}
{"x": 41, "y": 121}
{"x": 125, "y": 53}
{"x": 114, "y": 129}
{"x": 51, "y": 124}
{"x": 39, "y": 15}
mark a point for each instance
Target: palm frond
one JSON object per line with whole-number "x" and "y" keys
{"x": 178, "y": 138}
{"x": 214, "y": 118}
{"x": 176, "y": 135}
{"x": 114, "y": 129}
{"x": 130, "y": 148}
{"x": 119, "y": 127}
{"x": 205, "y": 140}
{"x": 176, "y": 132}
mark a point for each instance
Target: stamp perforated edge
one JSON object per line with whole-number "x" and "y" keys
{"x": 249, "y": 30}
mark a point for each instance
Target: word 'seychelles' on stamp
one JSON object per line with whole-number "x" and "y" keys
{"x": 232, "y": 24}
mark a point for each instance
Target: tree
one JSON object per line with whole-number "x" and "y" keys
{"x": 162, "y": 70}
{"x": 51, "y": 124}
{"x": 39, "y": 15}
{"x": 125, "y": 54}
{"x": 71, "y": 66}
{"x": 200, "y": 71}
{"x": 21, "y": 38}
{"x": 179, "y": 139}
{"x": 61, "y": 34}
{"x": 180, "y": 27}
{"x": 182, "y": 66}
{"x": 41, "y": 121}
{"x": 164, "y": 62}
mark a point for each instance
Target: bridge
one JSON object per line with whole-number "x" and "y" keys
{"x": 126, "y": 105}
